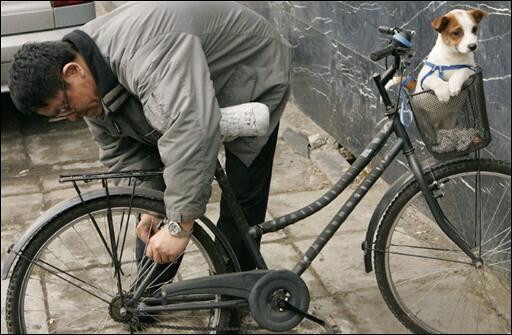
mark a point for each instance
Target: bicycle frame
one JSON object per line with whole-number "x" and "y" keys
{"x": 239, "y": 284}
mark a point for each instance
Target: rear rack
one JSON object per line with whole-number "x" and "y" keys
{"x": 133, "y": 176}
{"x": 88, "y": 177}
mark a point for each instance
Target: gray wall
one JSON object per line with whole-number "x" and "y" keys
{"x": 332, "y": 72}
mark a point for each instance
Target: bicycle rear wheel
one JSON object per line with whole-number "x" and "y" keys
{"x": 74, "y": 285}
{"x": 427, "y": 281}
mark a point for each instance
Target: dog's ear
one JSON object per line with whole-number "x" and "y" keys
{"x": 477, "y": 14}
{"x": 440, "y": 23}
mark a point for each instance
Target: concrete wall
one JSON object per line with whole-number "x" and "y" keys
{"x": 332, "y": 73}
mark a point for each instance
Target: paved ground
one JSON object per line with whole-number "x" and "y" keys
{"x": 34, "y": 155}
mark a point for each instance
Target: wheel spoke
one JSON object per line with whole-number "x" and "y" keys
{"x": 56, "y": 273}
{"x": 422, "y": 256}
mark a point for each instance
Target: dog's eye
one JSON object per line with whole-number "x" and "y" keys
{"x": 457, "y": 32}
{"x": 474, "y": 30}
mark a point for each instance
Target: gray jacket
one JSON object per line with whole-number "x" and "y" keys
{"x": 164, "y": 69}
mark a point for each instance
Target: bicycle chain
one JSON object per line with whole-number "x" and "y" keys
{"x": 197, "y": 328}
{"x": 237, "y": 330}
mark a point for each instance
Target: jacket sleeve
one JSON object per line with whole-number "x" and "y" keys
{"x": 123, "y": 154}
{"x": 170, "y": 76}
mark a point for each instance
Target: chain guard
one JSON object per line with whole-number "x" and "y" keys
{"x": 269, "y": 290}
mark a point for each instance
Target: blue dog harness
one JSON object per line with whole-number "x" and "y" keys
{"x": 406, "y": 116}
{"x": 441, "y": 68}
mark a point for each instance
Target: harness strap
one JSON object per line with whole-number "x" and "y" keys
{"x": 442, "y": 69}
{"x": 406, "y": 116}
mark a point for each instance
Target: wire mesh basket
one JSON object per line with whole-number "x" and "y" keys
{"x": 455, "y": 128}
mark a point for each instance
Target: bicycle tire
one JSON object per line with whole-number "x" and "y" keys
{"x": 393, "y": 273}
{"x": 68, "y": 219}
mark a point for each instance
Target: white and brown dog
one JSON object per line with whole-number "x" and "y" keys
{"x": 451, "y": 61}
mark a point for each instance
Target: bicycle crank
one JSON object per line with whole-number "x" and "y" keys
{"x": 271, "y": 297}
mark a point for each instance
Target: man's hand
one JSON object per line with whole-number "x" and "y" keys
{"x": 165, "y": 248}
{"x": 162, "y": 247}
{"x": 147, "y": 227}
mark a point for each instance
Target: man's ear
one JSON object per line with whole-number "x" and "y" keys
{"x": 440, "y": 23}
{"x": 477, "y": 14}
{"x": 72, "y": 68}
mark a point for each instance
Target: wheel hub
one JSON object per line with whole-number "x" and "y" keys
{"x": 118, "y": 310}
{"x": 478, "y": 262}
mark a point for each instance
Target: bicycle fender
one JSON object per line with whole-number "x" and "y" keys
{"x": 54, "y": 211}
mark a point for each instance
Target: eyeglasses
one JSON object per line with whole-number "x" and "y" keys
{"x": 65, "y": 110}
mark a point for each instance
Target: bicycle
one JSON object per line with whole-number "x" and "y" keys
{"x": 440, "y": 267}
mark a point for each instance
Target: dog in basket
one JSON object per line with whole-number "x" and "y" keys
{"x": 450, "y": 63}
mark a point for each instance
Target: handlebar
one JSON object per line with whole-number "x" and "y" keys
{"x": 379, "y": 54}
{"x": 400, "y": 42}
{"x": 386, "y": 30}
{"x": 399, "y": 45}
{"x": 396, "y": 30}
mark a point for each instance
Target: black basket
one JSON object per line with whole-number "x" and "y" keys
{"x": 455, "y": 128}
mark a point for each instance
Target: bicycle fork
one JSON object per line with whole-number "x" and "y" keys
{"x": 441, "y": 220}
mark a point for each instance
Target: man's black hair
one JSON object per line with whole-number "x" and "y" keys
{"x": 36, "y": 74}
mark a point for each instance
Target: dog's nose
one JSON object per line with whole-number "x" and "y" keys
{"x": 472, "y": 46}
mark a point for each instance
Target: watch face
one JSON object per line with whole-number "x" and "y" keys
{"x": 175, "y": 228}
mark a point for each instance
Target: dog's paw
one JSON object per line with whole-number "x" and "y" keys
{"x": 454, "y": 86}
{"x": 443, "y": 95}
{"x": 393, "y": 82}
{"x": 389, "y": 85}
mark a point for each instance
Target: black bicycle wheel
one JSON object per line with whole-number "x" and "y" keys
{"x": 427, "y": 281}
{"x": 82, "y": 298}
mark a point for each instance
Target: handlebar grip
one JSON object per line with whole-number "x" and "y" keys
{"x": 386, "y": 30}
{"x": 378, "y": 55}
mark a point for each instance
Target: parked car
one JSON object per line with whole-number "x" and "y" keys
{"x": 38, "y": 21}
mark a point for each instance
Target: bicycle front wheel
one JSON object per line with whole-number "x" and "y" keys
{"x": 65, "y": 281}
{"x": 427, "y": 281}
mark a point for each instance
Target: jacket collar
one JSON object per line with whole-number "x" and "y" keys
{"x": 113, "y": 94}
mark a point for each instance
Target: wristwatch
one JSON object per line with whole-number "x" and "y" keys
{"x": 175, "y": 229}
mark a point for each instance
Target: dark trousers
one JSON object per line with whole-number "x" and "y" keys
{"x": 251, "y": 186}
